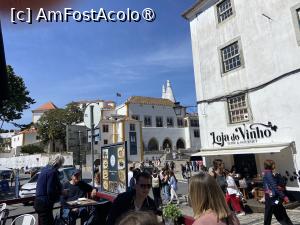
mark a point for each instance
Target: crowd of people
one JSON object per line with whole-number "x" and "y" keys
{"x": 213, "y": 195}
{"x": 163, "y": 181}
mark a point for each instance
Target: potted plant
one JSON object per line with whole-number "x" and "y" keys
{"x": 171, "y": 213}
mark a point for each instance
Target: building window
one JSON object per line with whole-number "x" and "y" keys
{"x": 132, "y": 127}
{"x": 135, "y": 117}
{"x": 105, "y": 141}
{"x": 105, "y": 128}
{"x": 196, "y": 133}
{"x": 147, "y": 121}
{"x": 159, "y": 121}
{"x": 170, "y": 122}
{"x": 231, "y": 58}
{"x": 132, "y": 139}
{"x": 296, "y": 20}
{"x": 38, "y": 137}
{"x": 179, "y": 122}
{"x": 224, "y": 10}
{"x": 194, "y": 123}
{"x": 238, "y": 109}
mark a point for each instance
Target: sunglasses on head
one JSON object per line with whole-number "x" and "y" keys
{"x": 144, "y": 186}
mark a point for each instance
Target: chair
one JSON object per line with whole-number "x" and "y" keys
{"x": 2, "y": 213}
{"x": 25, "y": 219}
{"x": 2, "y": 206}
{"x": 3, "y": 216}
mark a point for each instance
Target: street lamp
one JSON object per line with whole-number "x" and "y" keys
{"x": 181, "y": 110}
{"x": 178, "y": 109}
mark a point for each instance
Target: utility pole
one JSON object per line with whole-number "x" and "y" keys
{"x": 92, "y": 140}
{"x": 79, "y": 149}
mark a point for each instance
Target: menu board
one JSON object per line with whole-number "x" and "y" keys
{"x": 114, "y": 167}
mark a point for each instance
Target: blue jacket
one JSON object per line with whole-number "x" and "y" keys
{"x": 48, "y": 188}
{"x": 270, "y": 186}
{"x": 173, "y": 183}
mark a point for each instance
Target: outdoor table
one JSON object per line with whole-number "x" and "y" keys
{"x": 85, "y": 202}
{"x": 82, "y": 202}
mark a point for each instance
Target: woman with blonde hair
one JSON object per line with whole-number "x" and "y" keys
{"x": 139, "y": 218}
{"x": 208, "y": 202}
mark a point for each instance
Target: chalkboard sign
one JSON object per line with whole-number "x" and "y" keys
{"x": 114, "y": 168}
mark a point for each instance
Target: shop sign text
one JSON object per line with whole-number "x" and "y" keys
{"x": 244, "y": 135}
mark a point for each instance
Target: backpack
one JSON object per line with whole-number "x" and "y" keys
{"x": 155, "y": 182}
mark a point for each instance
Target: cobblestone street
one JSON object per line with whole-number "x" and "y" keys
{"x": 256, "y": 218}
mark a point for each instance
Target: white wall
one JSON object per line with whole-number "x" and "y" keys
{"x": 17, "y": 140}
{"x": 32, "y": 161}
{"x": 160, "y": 134}
{"x": 269, "y": 46}
{"x": 30, "y": 138}
{"x": 36, "y": 116}
{"x": 269, "y": 49}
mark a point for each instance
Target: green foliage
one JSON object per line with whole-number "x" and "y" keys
{"x": 52, "y": 124}
{"x": 31, "y": 149}
{"x": 171, "y": 211}
{"x": 73, "y": 114}
{"x": 18, "y": 99}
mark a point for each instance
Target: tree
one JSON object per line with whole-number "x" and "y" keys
{"x": 31, "y": 149}
{"x": 18, "y": 99}
{"x": 52, "y": 124}
{"x": 73, "y": 114}
{"x": 51, "y": 127}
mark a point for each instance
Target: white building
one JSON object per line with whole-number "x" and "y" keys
{"x": 5, "y": 141}
{"x": 30, "y": 136}
{"x": 150, "y": 127}
{"x": 37, "y": 113}
{"x": 22, "y": 138}
{"x": 162, "y": 130}
{"x": 247, "y": 64}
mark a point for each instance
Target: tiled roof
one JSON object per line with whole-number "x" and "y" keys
{"x": 28, "y": 131}
{"x": 46, "y": 106}
{"x": 88, "y": 101}
{"x": 150, "y": 101}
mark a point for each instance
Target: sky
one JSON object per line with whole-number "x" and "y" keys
{"x": 71, "y": 61}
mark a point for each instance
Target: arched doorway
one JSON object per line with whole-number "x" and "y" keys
{"x": 167, "y": 144}
{"x": 180, "y": 144}
{"x": 152, "y": 145}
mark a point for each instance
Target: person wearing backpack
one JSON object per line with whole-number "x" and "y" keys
{"x": 156, "y": 185}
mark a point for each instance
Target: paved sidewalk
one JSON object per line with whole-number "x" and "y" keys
{"x": 254, "y": 218}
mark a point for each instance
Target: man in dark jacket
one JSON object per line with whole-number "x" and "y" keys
{"x": 76, "y": 188}
{"x": 48, "y": 190}
{"x": 274, "y": 197}
{"x": 134, "y": 200}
